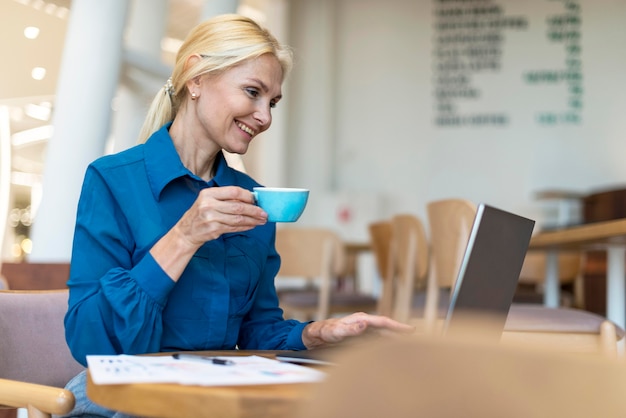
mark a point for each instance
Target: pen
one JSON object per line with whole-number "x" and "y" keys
{"x": 196, "y": 357}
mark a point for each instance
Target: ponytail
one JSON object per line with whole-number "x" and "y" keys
{"x": 160, "y": 112}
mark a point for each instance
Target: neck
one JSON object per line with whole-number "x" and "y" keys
{"x": 197, "y": 154}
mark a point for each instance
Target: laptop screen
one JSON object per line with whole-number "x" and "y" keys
{"x": 490, "y": 269}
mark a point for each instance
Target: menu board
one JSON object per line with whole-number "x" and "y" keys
{"x": 470, "y": 44}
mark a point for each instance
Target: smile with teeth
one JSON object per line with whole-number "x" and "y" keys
{"x": 245, "y": 128}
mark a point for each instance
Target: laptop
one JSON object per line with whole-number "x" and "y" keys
{"x": 490, "y": 270}
{"x": 486, "y": 281}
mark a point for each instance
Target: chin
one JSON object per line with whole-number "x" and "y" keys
{"x": 240, "y": 148}
{"x": 238, "y": 151}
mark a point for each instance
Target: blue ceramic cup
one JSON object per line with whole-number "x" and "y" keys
{"x": 282, "y": 204}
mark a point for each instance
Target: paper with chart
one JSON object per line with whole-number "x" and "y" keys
{"x": 244, "y": 370}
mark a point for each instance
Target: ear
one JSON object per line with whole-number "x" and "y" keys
{"x": 189, "y": 63}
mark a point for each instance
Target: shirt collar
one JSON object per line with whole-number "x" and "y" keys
{"x": 163, "y": 164}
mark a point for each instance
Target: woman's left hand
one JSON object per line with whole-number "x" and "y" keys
{"x": 335, "y": 330}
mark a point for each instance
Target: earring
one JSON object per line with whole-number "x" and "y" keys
{"x": 194, "y": 96}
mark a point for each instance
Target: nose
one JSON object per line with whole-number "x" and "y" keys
{"x": 263, "y": 116}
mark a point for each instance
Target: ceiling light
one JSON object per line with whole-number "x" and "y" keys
{"x": 26, "y": 245}
{"x": 31, "y": 32}
{"x": 38, "y": 73}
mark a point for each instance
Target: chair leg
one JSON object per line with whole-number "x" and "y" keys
{"x": 36, "y": 413}
{"x": 579, "y": 292}
{"x": 608, "y": 339}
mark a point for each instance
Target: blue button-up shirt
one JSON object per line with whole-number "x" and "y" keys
{"x": 121, "y": 301}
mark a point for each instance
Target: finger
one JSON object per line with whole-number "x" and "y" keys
{"x": 387, "y": 333}
{"x": 237, "y": 212}
{"x": 372, "y": 320}
{"x": 378, "y": 321}
{"x": 230, "y": 193}
{"x": 221, "y": 205}
{"x": 396, "y": 326}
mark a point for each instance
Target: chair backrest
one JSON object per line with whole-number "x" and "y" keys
{"x": 534, "y": 267}
{"x": 570, "y": 273}
{"x": 309, "y": 252}
{"x": 313, "y": 254}
{"x": 409, "y": 256}
{"x": 450, "y": 225}
{"x": 401, "y": 252}
{"x": 380, "y": 233}
{"x": 450, "y": 222}
{"x": 443, "y": 377}
{"x": 32, "y": 338}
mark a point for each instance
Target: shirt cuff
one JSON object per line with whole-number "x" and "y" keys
{"x": 294, "y": 339}
{"x": 152, "y": 279}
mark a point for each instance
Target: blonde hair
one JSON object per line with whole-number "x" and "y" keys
{"x": 223, "y": 42}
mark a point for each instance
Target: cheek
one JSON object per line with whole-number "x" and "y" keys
{"x": 210, "y": 107}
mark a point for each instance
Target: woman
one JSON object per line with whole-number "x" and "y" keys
{"x": 170, "y": 253}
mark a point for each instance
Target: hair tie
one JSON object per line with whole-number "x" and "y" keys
{"x": 169, "y": 87}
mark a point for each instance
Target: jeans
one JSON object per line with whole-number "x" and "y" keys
{"x": 84, "y": 407}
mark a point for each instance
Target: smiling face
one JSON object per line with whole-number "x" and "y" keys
{"x": 235, "y": 106}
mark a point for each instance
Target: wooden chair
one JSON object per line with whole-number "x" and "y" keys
{"x": 533, "y": 274}
{"x": 563, "y": 329}
{"x": 401, "y": 251}
{"x": 318, "y": 256}
{"x": 466, "y": 377}
{"x": 35, "y": 362}
{"x": 450, "y": 223}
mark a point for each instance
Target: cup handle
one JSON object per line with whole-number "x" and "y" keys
{"x": 255, "y": 195}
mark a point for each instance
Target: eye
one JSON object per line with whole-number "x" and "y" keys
{"x": 255, "y": 93}
{"x": 252, "y": 92}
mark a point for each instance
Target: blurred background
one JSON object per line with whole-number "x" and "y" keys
{"x": 391, "y": 104}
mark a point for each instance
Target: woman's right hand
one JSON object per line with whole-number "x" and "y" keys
{"x": 219, "y": 210}
{"x": 216, "y": 211}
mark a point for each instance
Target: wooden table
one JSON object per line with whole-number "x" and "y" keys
{"x": 182, "y": 401}
{"x": 609, "y": 236}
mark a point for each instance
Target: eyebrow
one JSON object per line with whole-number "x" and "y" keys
{"x": 265, "y": 88}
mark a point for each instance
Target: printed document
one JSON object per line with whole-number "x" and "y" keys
{"x": 226, "y": 371}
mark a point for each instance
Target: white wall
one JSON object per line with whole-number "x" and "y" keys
{"x": 361, "y": 110}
